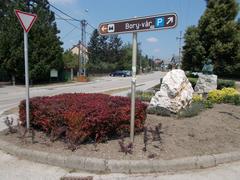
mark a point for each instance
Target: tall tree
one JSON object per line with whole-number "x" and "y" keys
{"x": 219, "y": 35}
{"x": 126, "y": 60}
{"x": 193, "y": 51}
{"x": 45, "y": 50}
{"x": 97, "y": 49}
{"x": 115, "y": 49}
{"x": 11, "y": 38}
{"x": 44, "y": 42}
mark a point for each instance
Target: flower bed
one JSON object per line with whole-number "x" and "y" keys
{"x": 226, "y": 95}
{"x": 78, "y": 118}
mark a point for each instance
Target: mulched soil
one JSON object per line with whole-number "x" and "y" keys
{"x": 213, "y": 131}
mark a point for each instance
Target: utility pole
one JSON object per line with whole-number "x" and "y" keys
{"x": 79, "y": 58}
{"x": 180, "y": 46}
{"x": 83, "y": 46}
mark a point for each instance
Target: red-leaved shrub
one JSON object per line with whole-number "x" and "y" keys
{"x": 77, "y": 118}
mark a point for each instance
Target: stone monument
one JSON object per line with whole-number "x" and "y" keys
{"x": 207, "y": 81}
{"x": 175, "y": 93}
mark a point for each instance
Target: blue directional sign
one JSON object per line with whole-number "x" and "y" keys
{"x": 148, "y": 23}
{"x": 159, "y": 22}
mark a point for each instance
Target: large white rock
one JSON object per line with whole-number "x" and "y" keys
{"x": 206, "y": 83}
{"x": 175, "y": 93}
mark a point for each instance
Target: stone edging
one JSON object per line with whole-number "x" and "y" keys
{"x": 119, "y": 166}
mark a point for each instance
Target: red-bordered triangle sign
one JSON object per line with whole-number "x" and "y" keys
{"x": 26, "y": 19}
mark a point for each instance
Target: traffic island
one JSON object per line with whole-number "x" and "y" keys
{"x": 202, "y": 141}
{"x": 98, "y": 165}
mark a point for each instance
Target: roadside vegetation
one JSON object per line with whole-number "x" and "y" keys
{"x": 217, "y": 36}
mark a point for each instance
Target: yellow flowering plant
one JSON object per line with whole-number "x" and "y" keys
{"x": 219, "y": 96}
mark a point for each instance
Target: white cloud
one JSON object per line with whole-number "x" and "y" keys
{"x": 156, "y": 50}
{"x": 152, "y": 40}
{"x": 64, "y": 2}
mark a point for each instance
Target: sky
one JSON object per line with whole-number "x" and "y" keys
{"x": 158, "y": 44}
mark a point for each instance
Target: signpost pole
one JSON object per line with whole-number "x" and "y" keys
{"x": 26, "y": 20}
{"x": 133, "y": 85}
{"x": 26, "y": 76}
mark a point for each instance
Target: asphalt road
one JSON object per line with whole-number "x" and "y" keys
{"x": 10, "y": 96}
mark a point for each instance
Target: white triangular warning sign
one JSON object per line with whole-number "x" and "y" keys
{"x": 26, "y": 19}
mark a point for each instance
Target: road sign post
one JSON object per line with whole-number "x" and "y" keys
{"x": 133, "y": 84}
{"x": 134, "y": 25}
{"x": 26, "y": 20}
{"x": 26, "y": 76}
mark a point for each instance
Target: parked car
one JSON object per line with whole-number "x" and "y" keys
{"x": 128, "y": 73}
{"x": 124, "y": 73}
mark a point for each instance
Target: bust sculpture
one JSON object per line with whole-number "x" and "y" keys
{"x": 208, "y": 67}
{"x": 207, "y": 81}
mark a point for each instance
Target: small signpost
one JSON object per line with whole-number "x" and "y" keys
{"x": 26, "y": 20}
{"x": 134, "y": 25}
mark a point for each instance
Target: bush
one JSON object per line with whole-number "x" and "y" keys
{"x": 157, "y": 87}
{"x": 225, "y": 83}
{"x": 143, "y": 95}
{"x": 151, "y": 110}
{"x": 199, "y": 99}
{"x": 160, "y": 111}
{"x": 226, "y": 95}
{"x": 232, "y": 99}
{"x": 208, "y": 104}
{"x": 193, "y": 81}
{"x": 192, "y": 110}
{"x": 78, "y": 118}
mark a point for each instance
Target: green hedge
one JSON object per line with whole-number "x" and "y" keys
{"x": 225, "y": 83}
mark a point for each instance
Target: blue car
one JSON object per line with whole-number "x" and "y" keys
{"x": 124, "y": 73}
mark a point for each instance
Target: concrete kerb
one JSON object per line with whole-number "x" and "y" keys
{"x": 119, "y": 166}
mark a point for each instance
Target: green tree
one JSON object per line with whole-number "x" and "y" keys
{"x": 45, "y": 50}
{"x": 114, "y": 49}
{"x": 97, "y": 49}
{"x": 104, "y": 53}
{"x": 126, "y": 60}
{"x": 70, "y": 60}
{"x": 107, "y": 54}
{"x": 11, "y": 38}
{"x": 219, "y": 35}
{"x": 193, "y": 51}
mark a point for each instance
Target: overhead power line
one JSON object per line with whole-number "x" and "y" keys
{"x": 68, "y": 33}
{"x": 92, "y": 26}
{"x": 83, "y": 23}
{"x": 60, "y": 17}
{"x": 75, "y": 27}
{"x": 64, "y": 13}
{"x": 70, "y": 17}
{"x": 65, "y": 19}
